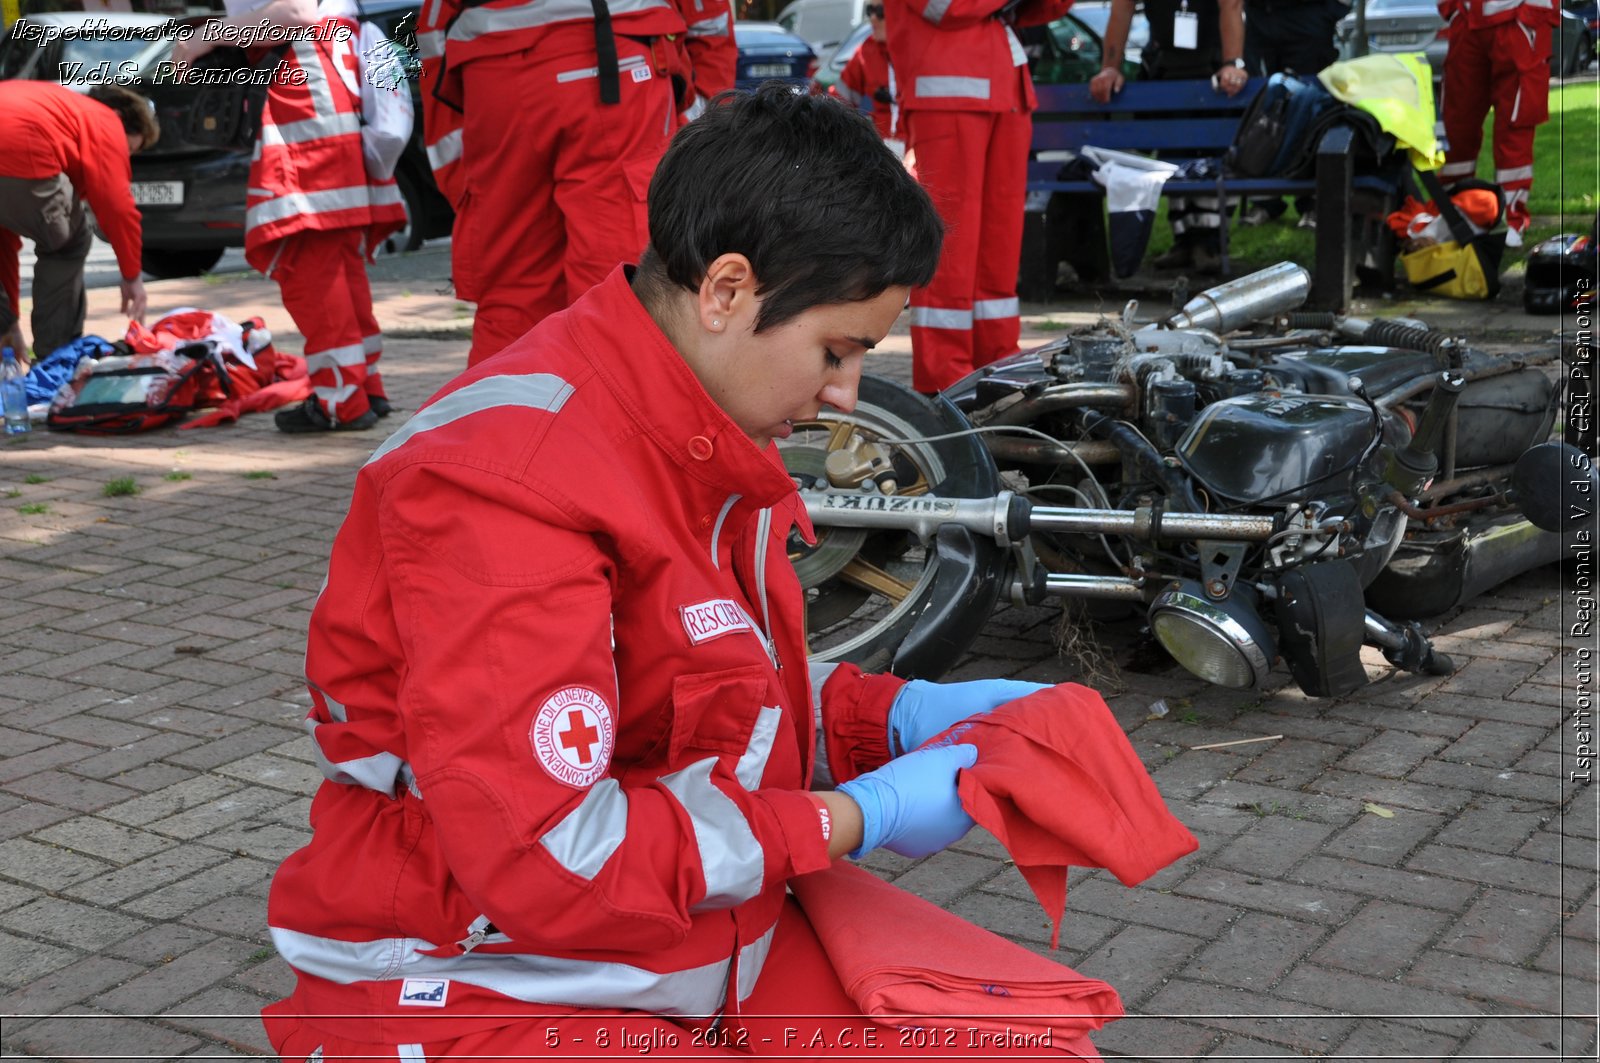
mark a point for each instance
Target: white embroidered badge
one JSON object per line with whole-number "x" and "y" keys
{"x": 572, "y": 736}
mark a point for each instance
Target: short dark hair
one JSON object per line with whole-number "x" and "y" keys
{"x": 138, "y": 117}
{"x": 801, "y": 185}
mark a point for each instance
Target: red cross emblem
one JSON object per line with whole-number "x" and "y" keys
{"x": 572, "y": 736}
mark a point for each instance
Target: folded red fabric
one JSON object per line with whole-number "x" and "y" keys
{"x": 1058, "y": 783}
{"x": 905, "y": 961}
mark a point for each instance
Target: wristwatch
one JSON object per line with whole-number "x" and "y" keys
{"x": 1237, "y": 64}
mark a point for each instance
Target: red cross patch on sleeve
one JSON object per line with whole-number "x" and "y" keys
{"x": 572, "y": 736}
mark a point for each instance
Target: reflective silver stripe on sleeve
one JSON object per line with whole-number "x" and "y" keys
{"x": 820, "y": 674}
{"x": 710, "y": 27}
{"x": 851, "y": 96}
{"x": 579, "y": 74}
{"x": 716, "y": 529}
{"x": 935, "y": 317}
{"x": 696, "y": 992}
{"x": 335, "y": 709}
{"x": 326, "y": 201}
{"x": 474, "y": 22}
{"x": 1458, "y": 169}
{"x": 940, "y": 87}
{"x": 410, "y": 1053}
{"x": 317, "y": 128}
{"x": 936, "y": 10}
{"x": 445, "y": 150}
{"x": 350, "y": 355}
{"x": 305, "y": 53}
{"x": 992, "y": 309}
{"x": 535, "y": 391}
{"x": 430, "y": 45}
{"x": 763, "y": 536}
{"x": 752, "y": 958}
{"x": 587, "y": 836}
{"x": 372, "y": 344}
{"x": 1515, "y": 173}
{"x": 753, "y": 764}
{"x": 382, "y": 772}
{"x": 731, "y": 859}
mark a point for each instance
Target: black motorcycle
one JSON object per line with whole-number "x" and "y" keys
{"x": 1259, "y": 483}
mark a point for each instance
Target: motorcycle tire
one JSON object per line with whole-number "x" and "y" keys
{"x": 867, "y": 591}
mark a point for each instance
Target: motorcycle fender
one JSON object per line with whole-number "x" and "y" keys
{"x": 1321, "y": 626}
{"x": 965, "y": 591}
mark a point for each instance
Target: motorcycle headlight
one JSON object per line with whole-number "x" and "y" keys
{"x": 1225, "y": 643}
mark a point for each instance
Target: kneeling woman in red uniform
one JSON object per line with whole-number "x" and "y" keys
{"x": 558, "y": 676}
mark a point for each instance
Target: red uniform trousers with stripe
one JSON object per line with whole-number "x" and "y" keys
{"x": 798, "y": 1010}
{"x": 555, "y": 181}
{"x": 323, "y": 281}
{"x": 974, "y": 165}
{"x": 1506, "y": 66}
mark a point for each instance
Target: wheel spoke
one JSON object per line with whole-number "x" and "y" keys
{"x": 869, "y": 576}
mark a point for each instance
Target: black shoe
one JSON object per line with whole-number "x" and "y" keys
{"x": 1180, "y": 257}
{"x": 308, "y": 417}
{"x": 379, "y": 405}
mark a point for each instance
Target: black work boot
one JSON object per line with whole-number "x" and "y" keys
{"x": 308, "y": 417}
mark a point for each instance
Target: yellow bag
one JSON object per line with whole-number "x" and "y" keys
{"x": 1453, "y": 270}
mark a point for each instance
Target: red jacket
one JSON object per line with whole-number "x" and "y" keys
{"x": 957, "y": 55}
{"x": 48, "y": 130}
{"x": 867, "y": 76}
{"x": 712, "y": 51}
{"x": 1475, "y": 14}
{"x": 308, "y": 171}
{"x": 566, "y": 762}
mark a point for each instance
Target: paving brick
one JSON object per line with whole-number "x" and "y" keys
{"x": 234, "y": 747}
{"x": 193, "y": 972}
{"x": 1391, "y": 793}
{"x": 294, "y": 777}
{"x": 67, "y": 923}
{"x": 162, "y": 943}
{"x": 28, "y": 818}
{"x": 1252, "y": 797}
{"x": 1382, "y": 939}
{"x": 1378, "y": 1039}
{"x": 1407, "y": 887}
{"x": 1148, "y": 907}
{"x": 228, "y": 1016}
{"x": 274, "y": 843}
{"x": 1509, "y": 984}
{"x": 45, "y": 866}
{"x": 1531, "y": 1037}
{"x": 170, "y": 800}
{"x": 44, "y": 758}
{"x": 1298, "y": 901}
{"x": 23, "y": 960}
{"x": 1026, "y": 921}
{"x": 1290, "y": 763}
{"x": 142, "y": 876}
{"x": 152, "y": 777}
{"x": 1494, "y": 825}
{"x": 1489, "y": 869}
{"x": 86, "y": 1036}
{"x": 1252, "y": 1013}
{"x": 1131, "y": 1035}
{"x": 1274, "y": 845}
{"x": 1138, "y": 959}
{"x": 942, "y": 881}
{"x": 1255, "y": 951}
{"x": 95, "y": 731}
{"x": 66, "y": 986}
{"x": 1504, "y": 926}
{"x": 1358, "y": 994}
{"x": 201, "y": 887}
{"x": 1374, "y": 839}
{"x": 69, "y": 791}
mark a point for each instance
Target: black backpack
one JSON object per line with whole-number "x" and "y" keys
{"x": 1275, "y": 125}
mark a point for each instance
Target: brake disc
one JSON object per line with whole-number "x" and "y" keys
{"x": 836, "y": 547}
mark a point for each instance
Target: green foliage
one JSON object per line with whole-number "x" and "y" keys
{"x": 178, "y": 474}
{"x": 35, "y": 478}
{"x": 260, "y": 474}
{"x": 120, "y": 487}
{"x": 32, "y": 509}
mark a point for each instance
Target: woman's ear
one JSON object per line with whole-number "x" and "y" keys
{"x": 727, "y": 293}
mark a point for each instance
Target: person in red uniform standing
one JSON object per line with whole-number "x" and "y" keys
{"x": 711, "y": 55}
{"x": 967, "y": 98}
{"x": 870, "y": 76}
{"x": 1499, "y": 57}
{"x": 61, "y": 149}
{"x": 575, "y": 99}
{"x": 313, "y": 215}
{"x": 567, "y": 782}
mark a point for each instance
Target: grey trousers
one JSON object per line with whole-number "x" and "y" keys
{"x": 49, "y": 212}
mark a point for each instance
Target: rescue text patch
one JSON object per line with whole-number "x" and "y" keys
{"x": 713, "y": 619}
{"x": 572, "y": 736}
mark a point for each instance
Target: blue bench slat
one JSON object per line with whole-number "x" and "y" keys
{"x": 1137, "y": 96}
{"x": 1211, "y": 135}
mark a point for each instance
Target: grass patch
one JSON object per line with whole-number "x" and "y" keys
{"x": 121, "y": 487}
{"x": 15, "y": 492}
{"x": 1566, "y": 164}
{"x": 32, "y": 509}
{"x": 260, "y": 474}
{"x": 35, "y": 478}
{"x": 176, "y": 475}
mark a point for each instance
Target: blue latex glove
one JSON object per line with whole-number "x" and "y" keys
{"x": 909, "y": 806}
{"x": 922, "y": 709}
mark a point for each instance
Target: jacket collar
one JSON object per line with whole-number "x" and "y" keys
{"x": 651, "y": 381}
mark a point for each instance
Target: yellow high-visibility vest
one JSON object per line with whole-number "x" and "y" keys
{"x": 1396, "y": 88}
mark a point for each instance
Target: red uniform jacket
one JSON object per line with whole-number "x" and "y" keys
{"x": 957, "y": 55}
{"x": 869, "y": 76}
{"x": 560, "y": 692}
{"x": 47, "y": 130}
{"x": 308, "y": 171}
{"x": 1474, "y": 14}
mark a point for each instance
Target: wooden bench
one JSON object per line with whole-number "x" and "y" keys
{"x": 1178, "y": 120}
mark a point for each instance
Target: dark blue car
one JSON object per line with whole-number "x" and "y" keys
{"x": 768, "y": 52}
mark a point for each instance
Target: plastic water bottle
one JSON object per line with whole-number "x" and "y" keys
{"x": 12, "y": 394}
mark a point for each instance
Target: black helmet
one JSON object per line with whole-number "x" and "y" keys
{"x": 1562, "y": 272}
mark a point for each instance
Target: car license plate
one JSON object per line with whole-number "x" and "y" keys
{"x": 158, "y": 193}
{"x": 769, "y": 70}
{"x": 1393, "y": 40}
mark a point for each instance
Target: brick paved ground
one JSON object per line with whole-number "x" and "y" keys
{"x": 153, "y": 772}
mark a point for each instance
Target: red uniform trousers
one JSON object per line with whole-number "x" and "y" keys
{"x": 798, "y": 1010}
{"x": 555, "y": 182}
{"x": 323, "y": 281}
{"x": 1506, "y": 66}
{"x": 974, "y": 165}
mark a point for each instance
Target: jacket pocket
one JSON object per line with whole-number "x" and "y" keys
{"x": 725, "y": 714}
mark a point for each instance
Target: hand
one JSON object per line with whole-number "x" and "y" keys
{"x": 1229, "y": 80}
{"x": 1106, "y": 84}
{"x": 910, "y": 806}
{"x": 12, "y": 338}
{"x": 921, "y": 710}
{"x": 882, "y": 96}
{"x": 189, "y": 49}
{"x": 133, "y": 299}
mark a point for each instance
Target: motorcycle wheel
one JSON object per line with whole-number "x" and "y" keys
{"x": 865, "y": 591}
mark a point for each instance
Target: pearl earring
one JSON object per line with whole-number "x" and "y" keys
{"x": 715, "y": 323}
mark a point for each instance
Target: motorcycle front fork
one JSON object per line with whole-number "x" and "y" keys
{"x": 1406, "y": 647}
